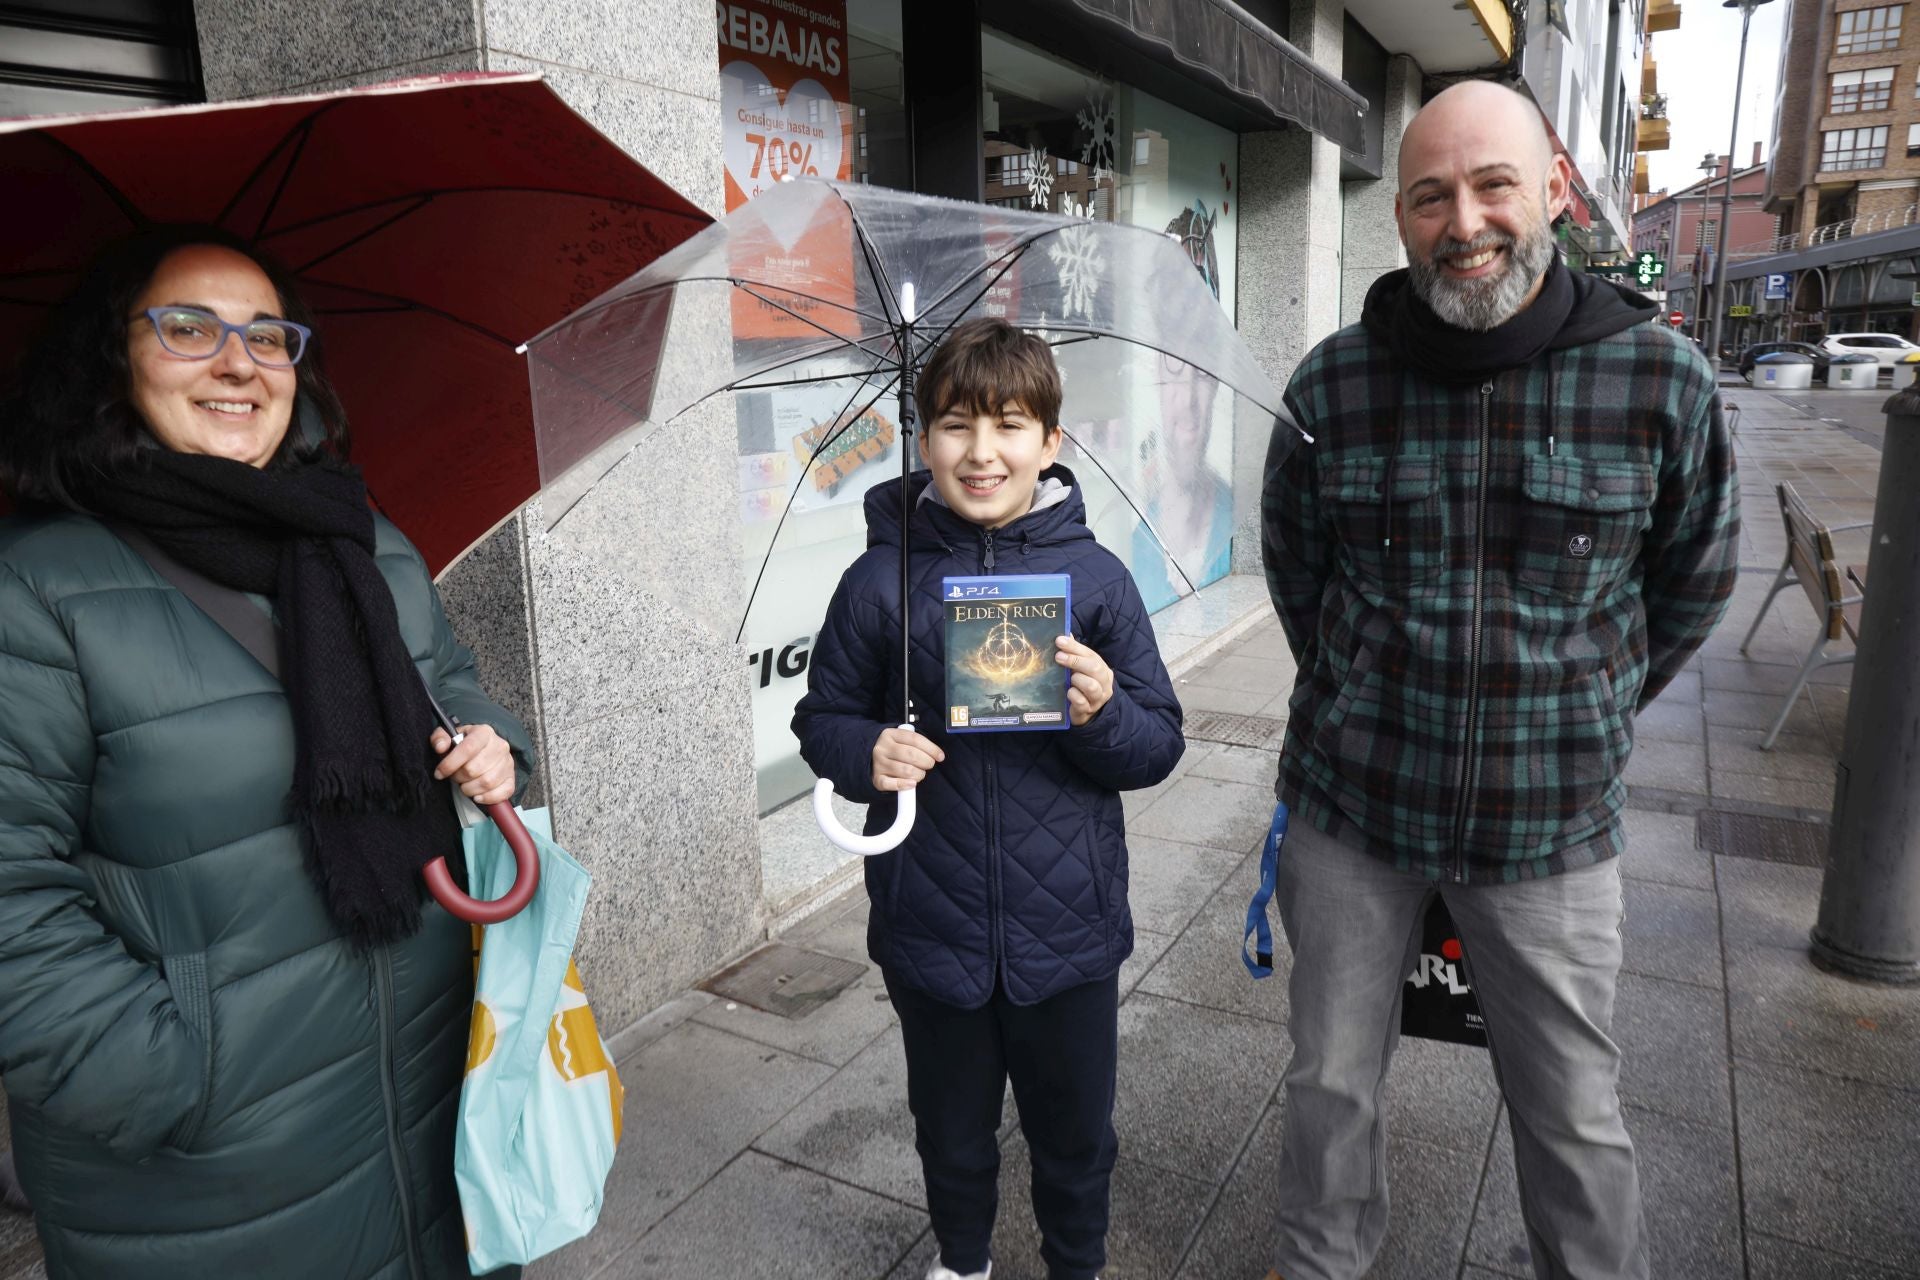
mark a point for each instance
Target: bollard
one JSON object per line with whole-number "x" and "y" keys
{"x": 1869, "y": 922}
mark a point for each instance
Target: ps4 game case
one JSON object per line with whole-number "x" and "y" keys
{"x": 1001, "y": 670}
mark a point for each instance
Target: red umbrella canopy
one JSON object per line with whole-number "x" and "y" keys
{"x": 434, "y": 224}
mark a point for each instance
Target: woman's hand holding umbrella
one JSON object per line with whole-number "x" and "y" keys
{"x": 480, "y": 763}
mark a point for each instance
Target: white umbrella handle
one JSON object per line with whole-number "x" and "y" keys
{"x": 885, "y": 842}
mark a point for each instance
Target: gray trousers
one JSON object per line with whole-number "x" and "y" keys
{"x": 1544, "y": 958}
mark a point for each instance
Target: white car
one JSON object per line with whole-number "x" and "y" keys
{"x": 1888, "y": 349}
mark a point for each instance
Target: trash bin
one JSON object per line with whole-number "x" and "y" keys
{"x": 1784, "y": 371}
{"x": 1853, "y": 373}
{"x": 1906, "y": 371}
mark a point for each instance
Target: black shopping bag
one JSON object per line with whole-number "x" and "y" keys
{"x": 1437, "y": 1003}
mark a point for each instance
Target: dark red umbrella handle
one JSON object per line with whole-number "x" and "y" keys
{"x": 526, "y": 859}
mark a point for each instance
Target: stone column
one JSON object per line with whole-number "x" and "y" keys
{"x": 1288, "y": 294}
{"x": 601, "y": 634}
{"x": 1369, "y": 238}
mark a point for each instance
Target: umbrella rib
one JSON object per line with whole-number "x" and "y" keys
{"x": 791, "y": 382}
{"x": 895, "y": 315}
{"x": 744, "y": 284}
{"x": 1089, "y": 332}
{"x": 1126, "y": 498}
{"x": 825, "y": 440}
{"x": 641, "y": 205}
{"x": 811, "y": 323}
{"x": 418, "y": 204}
{"x": 407, "y": 304}
{"x": 1013, "y": 254}
{"x": 295, "y": 137}
{"x": 961, "y": 314}
{"x": 605, "y": 301}
{"x": 812, "y": 352}
{"x": 127, "y": 207}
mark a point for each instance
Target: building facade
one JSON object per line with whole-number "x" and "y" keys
{"x": 668, "y": 779}
{"x": 1847, "y": 117}
{"x": 1682, "y": 228}
{"x": 1843, "y": 182}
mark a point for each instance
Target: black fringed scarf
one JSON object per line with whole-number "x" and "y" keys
{"x": 363, "y": 788}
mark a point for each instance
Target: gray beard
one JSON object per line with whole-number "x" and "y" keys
{"x": 1487, "y": 303}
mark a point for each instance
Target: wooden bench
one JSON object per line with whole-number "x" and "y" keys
{"x": 1810, "y": 563}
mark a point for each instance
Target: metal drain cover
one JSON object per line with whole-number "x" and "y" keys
{"x": 784, "y": 980}
{"x": 1748, "y": 835}
{"x": 1234, "y": 730}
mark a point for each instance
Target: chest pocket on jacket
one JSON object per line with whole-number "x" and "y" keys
{"x": 1581, "y": 524}
{"x": 1356, "y": 494}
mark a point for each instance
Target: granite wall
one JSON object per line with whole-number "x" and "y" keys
{"x": 600, "y": 631}
{"x": 1288, "y": 295}
{"x": 1369, "y": 238}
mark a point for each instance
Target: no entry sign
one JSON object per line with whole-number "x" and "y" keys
{"x": 1677, "y": 318}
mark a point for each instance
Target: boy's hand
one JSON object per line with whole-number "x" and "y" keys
{"x": 901, "y": 758}
{"x": 1092, "y": 681}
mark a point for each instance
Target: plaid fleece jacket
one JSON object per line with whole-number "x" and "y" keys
{"x": 1563, "y": 536}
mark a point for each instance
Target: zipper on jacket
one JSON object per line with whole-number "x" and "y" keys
{"x": 996, "y": 918}
{"x": 396, "y": 1136}
{"x": 986, "y": 552}
{"x": 1468, "y": 755}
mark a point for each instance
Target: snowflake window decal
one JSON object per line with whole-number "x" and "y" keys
{"x": 1039, "y": 178}
{"x": 1096, "y": 118}
{"x": 1075, "y": 254}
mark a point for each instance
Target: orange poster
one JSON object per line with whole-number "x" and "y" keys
{"x": 786, "y": 100}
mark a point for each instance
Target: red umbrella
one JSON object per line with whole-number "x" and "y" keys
{"x": 433, "y": 223}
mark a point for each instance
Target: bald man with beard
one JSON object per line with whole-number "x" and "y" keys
{"x": 1518, "y": 521}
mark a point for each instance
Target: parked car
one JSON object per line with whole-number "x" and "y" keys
{"x": 1889, "y": 349}
{"x": 1819, "y": 356}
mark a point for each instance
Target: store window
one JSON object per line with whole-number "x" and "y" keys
{"x": 881, "y": 149}
{"x": 1868, "y": 90}
{"x": 1853, "y": 148}
{"x": 60, "y": 56}
{"x": 1059, "y": 137}
{"x": 1868, "y": 30}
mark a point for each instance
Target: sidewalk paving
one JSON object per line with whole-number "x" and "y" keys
{"x": 1776, "y": 1109}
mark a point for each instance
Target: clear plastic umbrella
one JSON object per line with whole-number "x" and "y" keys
{"x": 810, "y": 309}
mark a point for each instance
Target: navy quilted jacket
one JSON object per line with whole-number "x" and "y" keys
{"x": 1017, "y": 864}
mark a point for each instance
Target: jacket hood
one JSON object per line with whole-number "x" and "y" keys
{"x": 1052, "y": 520}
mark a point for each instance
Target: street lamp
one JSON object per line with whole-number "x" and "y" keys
{"x": 1703, "y": 289}
{"x": 1746, "y": 8}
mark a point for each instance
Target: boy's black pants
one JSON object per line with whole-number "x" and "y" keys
{"x": 1061, "y": 1055}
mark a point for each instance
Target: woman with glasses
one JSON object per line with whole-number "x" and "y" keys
{"x": 232, "y": 1032}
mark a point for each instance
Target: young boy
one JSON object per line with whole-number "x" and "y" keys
{"x": 1000, "y": 924}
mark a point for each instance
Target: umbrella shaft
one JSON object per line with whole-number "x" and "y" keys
{"x": 906, "y": 519}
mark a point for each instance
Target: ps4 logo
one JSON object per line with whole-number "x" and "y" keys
{"x": 958, "y": 592}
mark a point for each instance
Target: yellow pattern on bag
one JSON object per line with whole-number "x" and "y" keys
{"x": 574, "y": 1044}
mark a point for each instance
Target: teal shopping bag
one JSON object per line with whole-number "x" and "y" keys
{"x": 540, "y": 1109}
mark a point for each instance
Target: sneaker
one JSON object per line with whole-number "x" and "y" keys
{"x": 940, "y": 1272}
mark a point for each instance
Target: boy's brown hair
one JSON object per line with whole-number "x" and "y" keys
{"x": 982, "y": 366}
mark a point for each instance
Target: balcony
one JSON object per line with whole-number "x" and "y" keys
{"x": 1662, "y": 15}
{"x": 1649, "y": 78}
{"x": 1651, "y": 134}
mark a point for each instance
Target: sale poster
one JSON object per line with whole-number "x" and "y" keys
{"x": 786, "y": 100}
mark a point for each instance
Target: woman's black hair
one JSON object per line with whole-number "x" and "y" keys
{"x": 66, "y": 413}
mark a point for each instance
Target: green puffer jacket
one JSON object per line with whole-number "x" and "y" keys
{"x": 204, "y": 1077}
